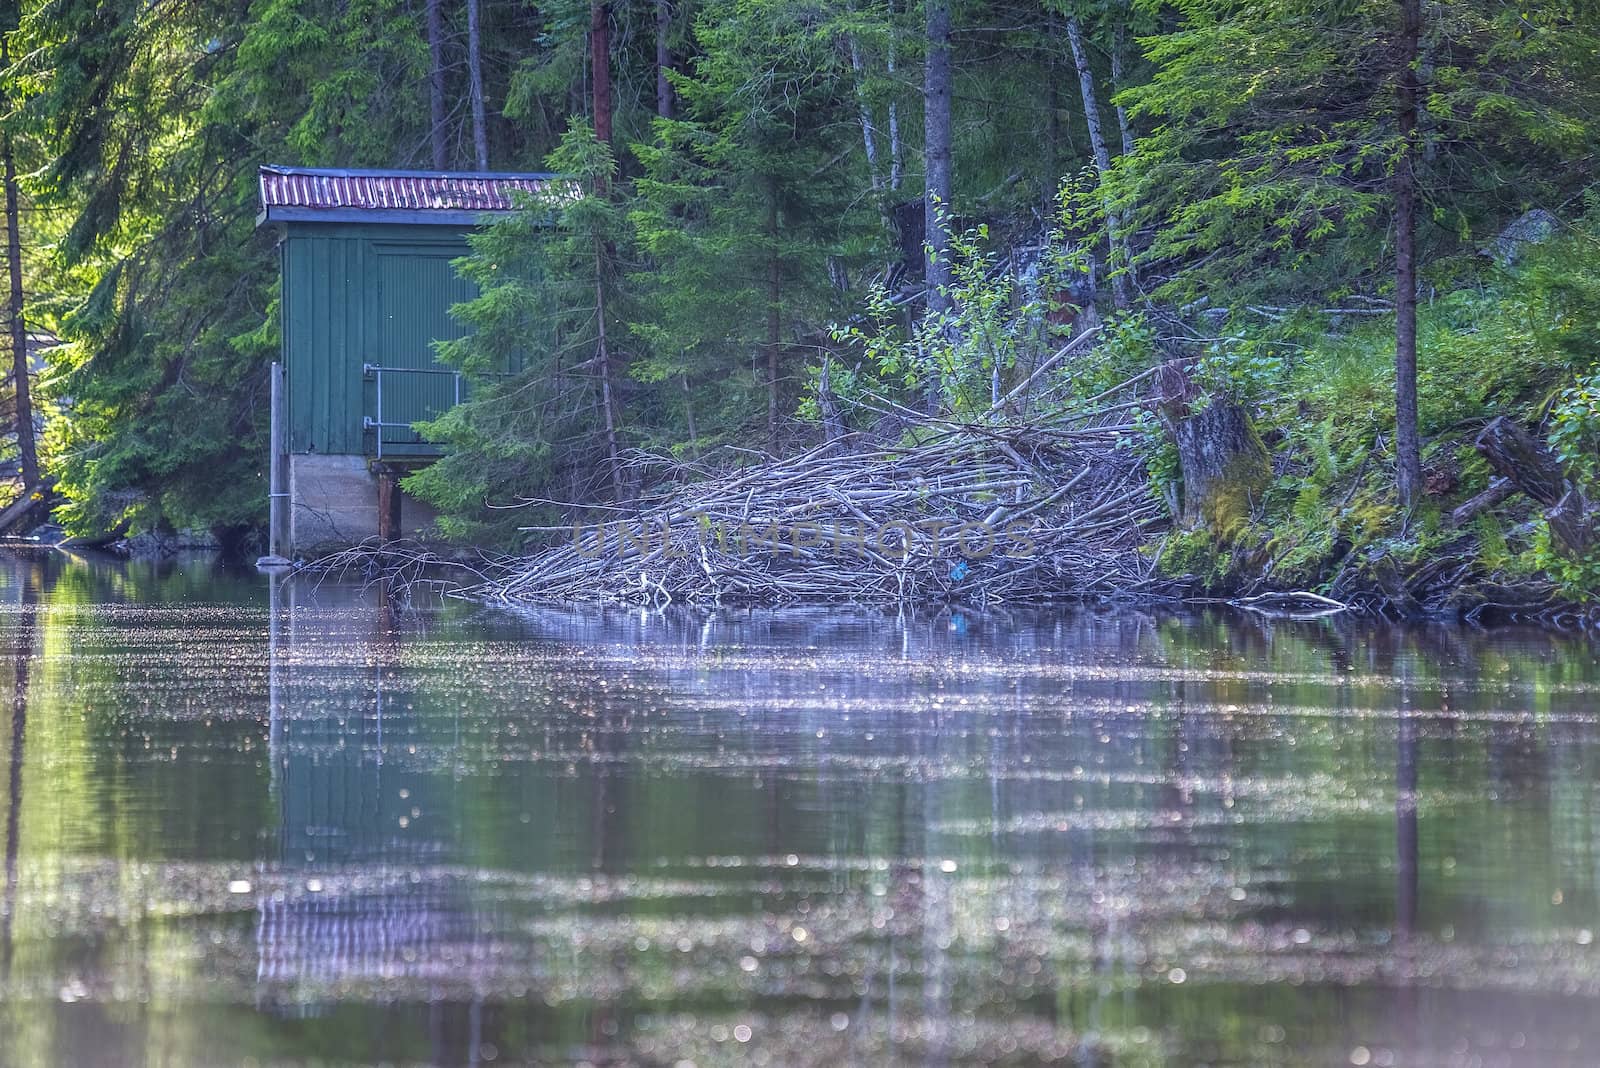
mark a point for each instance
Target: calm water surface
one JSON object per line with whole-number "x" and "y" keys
{"x": 246, "y": 823}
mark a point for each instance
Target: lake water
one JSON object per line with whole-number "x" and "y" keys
{"x": 252, "y": 822}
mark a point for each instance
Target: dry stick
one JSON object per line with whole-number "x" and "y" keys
{"x": 1060, "y": 354}
{"x": 1135, "y": 380}
{"x": 904, "y": 485}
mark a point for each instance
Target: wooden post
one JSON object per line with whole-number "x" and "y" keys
{"x": 278, "y": 536}
{"x": 388, "y": 504}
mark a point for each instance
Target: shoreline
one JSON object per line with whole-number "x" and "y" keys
{"x": 473, "y": 574}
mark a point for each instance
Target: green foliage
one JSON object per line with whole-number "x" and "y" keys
{"x": 144, "y": 126}
{"x": 1575, "y": 429}
{"x": 534, "y": 416}
{"x": 744, "y": 215}
{"x": 1154, "y": 446}
{"x": 1577, "y": 577}
{"x": 1274, "y": 136}
{"x": 1322, "y": 393}
{"x": 992, "y": 325}
{"x": 1195, "y": 554}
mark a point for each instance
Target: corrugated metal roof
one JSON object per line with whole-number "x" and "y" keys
{"x": 344, "y": 191}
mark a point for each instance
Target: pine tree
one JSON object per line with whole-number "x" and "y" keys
{"x": 742, "y": 203}
{"x": 551, "y": 309}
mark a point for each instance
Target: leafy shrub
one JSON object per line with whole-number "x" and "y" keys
{"x": 1575, "y": 429}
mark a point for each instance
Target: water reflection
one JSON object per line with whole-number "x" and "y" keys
{"x": 27, "y": 593}
{"x": 288, "y": 824}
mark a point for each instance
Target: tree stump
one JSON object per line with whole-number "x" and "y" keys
{"x": 1224, "y": 466}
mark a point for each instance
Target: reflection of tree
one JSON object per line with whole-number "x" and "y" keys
{"x": 1406, "y": 852}
{"x": 1405, "y": 827}
{"x": 21, "y": 657}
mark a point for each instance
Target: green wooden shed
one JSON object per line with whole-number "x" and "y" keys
{"x": 367, "y": 287}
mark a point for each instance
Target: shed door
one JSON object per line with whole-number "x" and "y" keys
{"x": 415, "y": 293}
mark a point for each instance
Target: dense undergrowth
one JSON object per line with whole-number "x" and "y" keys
{"x": 1512, "y": 339}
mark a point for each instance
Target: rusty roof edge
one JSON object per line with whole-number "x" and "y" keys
{"x": 461, "y": 218}
{"x": 348, "y": 172}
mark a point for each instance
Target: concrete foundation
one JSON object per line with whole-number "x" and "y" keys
{"x": 333, "y": 503}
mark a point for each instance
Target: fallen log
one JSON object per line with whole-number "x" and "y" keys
{"x": 1525, "y": 461}
{"x": 31, "y": 509}
{"x": 1499, "y": 490}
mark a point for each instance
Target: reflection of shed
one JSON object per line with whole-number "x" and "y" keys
{"x": 367, "y": 287}
{"x": 371, "y": 836}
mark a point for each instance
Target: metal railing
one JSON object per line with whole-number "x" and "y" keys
{"x": 377, "y": 424}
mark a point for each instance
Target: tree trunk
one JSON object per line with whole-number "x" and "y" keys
{"x": 27, "y": 454}
{"x": 1102, "y": 160}
{"x": 1517, "y": 455}
{"x": 1118, "y": 48}
{"x": 1576, "y": 523}
{"x": 896, "y": 158}
{"x": 1521, "y": 458}
{"x": 480, "y": 134}
{"x": 869, "y": 136}
{"x": 436, "y": 83}
{"x": 664, "y": 101}
{"x": 1052, "y": 144}
{"x": 1118, "y": 45}
{"x": 600, "y": 61}
{"x": 1222, "y": 462}
{"x": 1498, "y": 490}
{"x": 688, "y": 415}
{"x": 603, "y": 357}
{"x": 774, "y": 318}
{"x": 936, "y": 87}
{"x": 833, "y": 426}
{"x": 1408, "y": 444}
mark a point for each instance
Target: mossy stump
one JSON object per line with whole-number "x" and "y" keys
{"x": 1224, "y": 466}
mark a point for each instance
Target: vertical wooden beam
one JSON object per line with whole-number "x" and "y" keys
{"x": 388, "y": 504}
{"x": 278, "y": 536}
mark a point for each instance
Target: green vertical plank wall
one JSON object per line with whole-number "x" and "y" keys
{"x": 363, "y": 293}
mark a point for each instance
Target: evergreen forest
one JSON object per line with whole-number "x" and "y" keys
{"x": 1368, "y": 231}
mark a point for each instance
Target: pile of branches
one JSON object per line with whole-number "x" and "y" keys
{"x": 982, "y": 513}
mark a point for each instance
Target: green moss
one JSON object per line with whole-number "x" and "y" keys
{"x": 1195, "y": 554}
{"x": 1231, "y": 503}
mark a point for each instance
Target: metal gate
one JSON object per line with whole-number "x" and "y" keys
{"x": 411, "y": 395}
